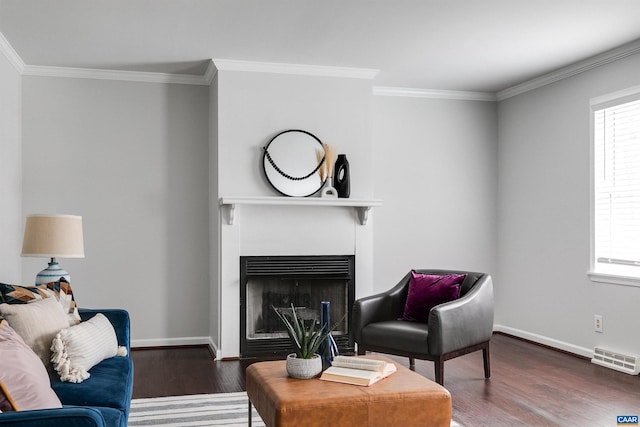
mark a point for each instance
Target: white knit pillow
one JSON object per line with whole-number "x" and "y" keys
{"x": 78, "y": 348}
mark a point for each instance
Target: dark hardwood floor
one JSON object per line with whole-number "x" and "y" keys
{"x": 530, "y": 385}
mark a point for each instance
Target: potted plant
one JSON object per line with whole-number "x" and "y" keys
{"x": 306, "y": 338}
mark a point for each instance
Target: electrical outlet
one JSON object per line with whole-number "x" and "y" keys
{"x": 597, "y": 319}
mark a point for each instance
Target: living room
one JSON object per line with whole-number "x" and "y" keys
{"x": 493, "y": 177}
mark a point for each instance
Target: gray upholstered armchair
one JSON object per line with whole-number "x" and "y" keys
{"x": 453, "y": 329}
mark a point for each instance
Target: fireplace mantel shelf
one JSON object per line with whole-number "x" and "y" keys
{"x": 362, "y": 206}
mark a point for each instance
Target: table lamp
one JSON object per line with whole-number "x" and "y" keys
{"x": 53, "y": 236}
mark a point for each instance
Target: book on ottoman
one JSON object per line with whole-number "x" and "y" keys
{"x": 357, "y": 370}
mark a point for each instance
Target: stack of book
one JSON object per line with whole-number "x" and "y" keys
{"x": 357, "y": 370}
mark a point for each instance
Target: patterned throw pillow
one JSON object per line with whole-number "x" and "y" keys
{"x": 61, "y": 290}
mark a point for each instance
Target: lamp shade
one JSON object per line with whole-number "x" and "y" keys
{"x": 53, "y": 236}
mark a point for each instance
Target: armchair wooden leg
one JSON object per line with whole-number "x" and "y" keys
{"x": 412, "y": 363}
{"x": 438, "y": 366}
{"x": 487, "y": 361}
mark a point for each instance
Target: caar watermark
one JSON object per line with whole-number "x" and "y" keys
{"x": 627, "y": 420}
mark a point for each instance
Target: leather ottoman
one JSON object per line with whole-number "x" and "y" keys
{"x": 403, "y": 399}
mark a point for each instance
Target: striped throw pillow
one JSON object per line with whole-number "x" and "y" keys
{"x": 78, "y": 348}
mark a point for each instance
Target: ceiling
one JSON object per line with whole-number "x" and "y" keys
{"x": 465, "y": 45}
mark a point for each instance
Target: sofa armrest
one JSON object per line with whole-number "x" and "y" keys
{"x": 119, "y": 319}
{"x": 388, "y": 305}
{"x": 68, "y": 416}
{"x": 464, "y": 322}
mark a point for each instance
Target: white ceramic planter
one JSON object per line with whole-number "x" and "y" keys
{"x": 303, "y": 368}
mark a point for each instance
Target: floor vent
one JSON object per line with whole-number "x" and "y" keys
{"x": 618, "y": 361}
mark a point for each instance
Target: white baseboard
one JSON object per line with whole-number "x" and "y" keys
{"x": 169, "y": 342}
{"x": 540, "y": 339}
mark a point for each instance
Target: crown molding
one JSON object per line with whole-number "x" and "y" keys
{"x": 133, "y": 76}
{"x": 11, "y": 55}
{"x": 316, "y": 70}
{"x": 571, "y": 70}
{"x": 297, "y": 69}
{"x": 210, "y": 73}
{"x": 88, "y": 73}
{"x": 434, "y": 93}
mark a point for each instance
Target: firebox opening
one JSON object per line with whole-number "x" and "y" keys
{"x": 305, "y": 282}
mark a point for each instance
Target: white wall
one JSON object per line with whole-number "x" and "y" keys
{"x": 11, "y": 222}
{"x": 464, "y": 186}
{"x": 436, "y": 170}
{"x": 252, "y": 108}
{"x": 132, "y": 159}
{"x": 543, "y": 292}
{"x": 214, "y": 217}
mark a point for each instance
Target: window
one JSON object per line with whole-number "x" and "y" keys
{"x": 616, "y": 189}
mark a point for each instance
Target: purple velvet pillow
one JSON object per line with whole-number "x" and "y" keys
{"x": 426, "y": 291}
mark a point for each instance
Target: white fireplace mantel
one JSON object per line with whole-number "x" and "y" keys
{"x": 362, "y": 206}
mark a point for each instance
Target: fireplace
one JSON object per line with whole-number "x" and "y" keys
{"x": 304, "y": 281}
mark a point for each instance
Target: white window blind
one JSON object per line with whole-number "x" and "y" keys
{"x": 616, "y": 203}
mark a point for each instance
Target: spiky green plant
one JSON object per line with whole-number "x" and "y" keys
{"x": 305, "y": 339}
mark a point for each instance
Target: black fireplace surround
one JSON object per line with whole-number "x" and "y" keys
{"x": 305, "y": 281}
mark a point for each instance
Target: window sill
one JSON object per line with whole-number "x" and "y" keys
{"x": 612, "y": 278}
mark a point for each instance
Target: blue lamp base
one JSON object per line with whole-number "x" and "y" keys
{"x": 53, "y": 273}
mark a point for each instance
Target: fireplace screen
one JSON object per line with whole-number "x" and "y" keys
{"x": 305, "y": 282}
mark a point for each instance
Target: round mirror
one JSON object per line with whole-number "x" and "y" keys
{"x": 291, "y": 161}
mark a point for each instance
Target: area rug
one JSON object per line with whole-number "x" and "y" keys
{"x": 219, "y": 409}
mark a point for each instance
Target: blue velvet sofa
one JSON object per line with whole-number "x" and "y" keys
{"x": 102, "y": 400}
